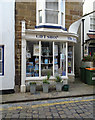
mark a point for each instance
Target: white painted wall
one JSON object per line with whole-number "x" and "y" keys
{"x": 88, "y": 6}
{"x": 7, "y": 38}
{"x": 86, "y": 27}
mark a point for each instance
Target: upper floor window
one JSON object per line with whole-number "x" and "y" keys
{"x": 51, "y": 12}
{"x": 1, "y": 60}
{"x": 92, "y": 23}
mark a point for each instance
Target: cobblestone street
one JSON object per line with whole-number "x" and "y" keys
{"x": 81, "y": 107}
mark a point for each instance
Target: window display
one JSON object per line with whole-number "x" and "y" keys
{"x": 32, "y": 59}
{"x": 70, "y": 59}
{"x": 46, "y": 58}
{"x": 60, "y": 59}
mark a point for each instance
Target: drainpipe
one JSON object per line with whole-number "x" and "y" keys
{"x": 83, "y": 36}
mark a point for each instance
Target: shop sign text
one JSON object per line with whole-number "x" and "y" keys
{"x": 46, "y": 36}
{"x": 71, "y": 38}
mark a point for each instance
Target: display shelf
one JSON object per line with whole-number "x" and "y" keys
{"x": 46, "y": 63}
{"x": 69, "y": 56}
{"x": 69, "y": 52}
{"x": 47, "y": 56}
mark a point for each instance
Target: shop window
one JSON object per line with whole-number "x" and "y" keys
{"x": 32, "y": 59}
{"x": 60, "y": 59}
{"x": 46, "y": 58}
{"x": 1, "y": 60}
{"x": 40, "y": 56}
{"x": 70, "y": 59}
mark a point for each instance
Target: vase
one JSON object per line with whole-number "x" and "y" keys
{"x": 59, "y": 86}
{"x": 33, "y": 88}
{"x": 45, "y": 87}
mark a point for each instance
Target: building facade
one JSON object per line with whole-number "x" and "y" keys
{"x": 48, "y": 47}
{"x": 7, "y": 45}
{"x": 42, "y": 43}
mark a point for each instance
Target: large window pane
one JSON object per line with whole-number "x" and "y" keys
{"x": 62, "y": 8}
{"x": 60, "y": 59}
{"x": 61, "y": 18}
{"x": 46, "y": 58}
{"x": 52, "y": 5}
{"x": 51, "y": 17}
{"x": 40, "y": 16}
{"x": 32, "y": 59}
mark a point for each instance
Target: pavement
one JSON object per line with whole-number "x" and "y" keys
{"x": 76, "y": 89}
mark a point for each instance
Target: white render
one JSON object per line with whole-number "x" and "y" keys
{"x": 88, "y": 12}
{"x": 88, "y": 6}
{"x": 7, "y": 38}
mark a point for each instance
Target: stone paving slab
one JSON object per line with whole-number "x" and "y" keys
{"x": 76, "y": 89}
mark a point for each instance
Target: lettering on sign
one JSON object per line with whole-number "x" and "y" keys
{"x": 73, "y": 39}
{"x": 46, "y": 36}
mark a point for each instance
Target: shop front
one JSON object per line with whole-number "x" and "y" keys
{"x": 46, "y": 51}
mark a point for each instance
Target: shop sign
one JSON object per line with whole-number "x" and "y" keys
{"x": 47, "y": 36}
{"x": 72, "y": 38}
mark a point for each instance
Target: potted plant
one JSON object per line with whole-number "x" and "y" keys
{"x": 87, "y": 61}
{"x": 32, "y": 87}
{"x": 59, "y": 83}
{"x": 46, "y": 84}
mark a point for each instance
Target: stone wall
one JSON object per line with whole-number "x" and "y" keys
{"x": 23, "y": 11}
{"x": 74, "y": 11}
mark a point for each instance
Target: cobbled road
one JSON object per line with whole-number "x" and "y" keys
{"x": 80, "y": 107}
